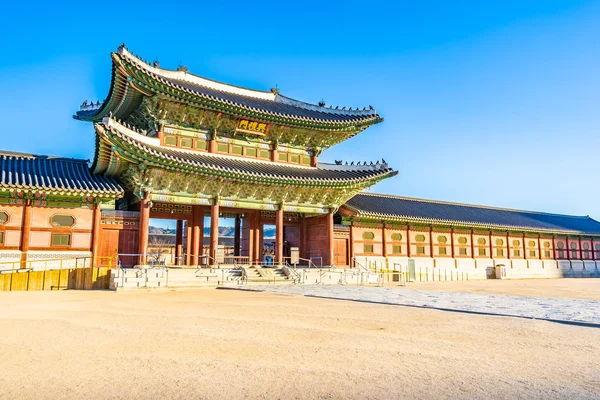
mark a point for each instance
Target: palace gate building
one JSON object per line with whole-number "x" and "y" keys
{"x": 173, "y": 145}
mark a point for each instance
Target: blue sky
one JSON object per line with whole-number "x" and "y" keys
{"x": 492, "y": 103}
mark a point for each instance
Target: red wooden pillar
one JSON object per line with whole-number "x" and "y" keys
{"x": 188, "y": 242}
{"x": 351, "y": 245}
{"x": 178, "y": 242}
{"x": 237, "y": 236}
{"x": 258, "y": 251}
{"x": 25, "y": 230}
{"x": 304, "y": 239}
{"x": 212, "y": 143}
{"x": 279, "y": 236}
{"x": 384, "y": 251}
{"x": 144, "y": 226}
{"x": 197, "y": 234}
{"x": 214, "y": 228}
{"x": 329, "y": 254}
{"x": 313, "y": 160}
{"x": 97, "y": 217}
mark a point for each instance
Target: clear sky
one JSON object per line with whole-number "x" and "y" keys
{"x": 488, "y": 102}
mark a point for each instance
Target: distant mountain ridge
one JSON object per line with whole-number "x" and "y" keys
{"x": 224, "y": 231}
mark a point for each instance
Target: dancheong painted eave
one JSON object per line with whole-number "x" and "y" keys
{"x": 114, "y": 139}
{"x": 34, "y": 174}
{"x": 419, "y": 211}
{"x": 130, "y": 72}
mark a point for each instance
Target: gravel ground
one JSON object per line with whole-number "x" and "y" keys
{"x": 544, "y": 308}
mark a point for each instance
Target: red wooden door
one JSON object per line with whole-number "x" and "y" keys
{"x": 340, "y": 252}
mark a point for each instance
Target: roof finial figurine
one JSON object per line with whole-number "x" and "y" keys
{"x": 322, "y": 103}
{"x": 156, "y": 63}
{"x": 338, "y": 162}
{"x": 275, "y": 90}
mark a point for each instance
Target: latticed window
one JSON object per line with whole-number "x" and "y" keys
{"x": 573, "y": 250}
{"x": 251, "y": 152}
{"x": 396, "y": 249}
{"x": 482, "y": 252}
{"x": 264, "y": 154}
{"x": 294, "y": 158}
{"x": 598, "y": 251}
{"x": 63, "y": 220}
{"x": 201, "y": 144}
{"x": 3, "y": 217}
{"x": 305, "y": 160}
{"x": 396, "y": 237}
{"x": 499, "y": 252}
{"x": 443, "y": 251}
{"x": 186, "y": 142}
{"x": 586, "y": 251}
{"x": 420, "y": 250}
{"x": 237, "y": 150}
{"x": 59, "y": 239}
{"x": 368, "y": 235}
{"x": 170, "y": 140}
{"x": 368, "y": 249}
{"x": 223, "y": 148}
{"x": 420, "y": 238}
{"x": 516, "y": 252}
{"x": 561, "y": 252}
{"x": 283, "y": 157}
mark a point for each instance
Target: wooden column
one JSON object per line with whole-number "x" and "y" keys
{"x": 178, "y": 242}
{"x": 279, "y": 236}
{"x": 97, "y": 218}
{"x": 275, "y": 152}
{"x": 143, "y": 230}
{"x": 188, "y": 242}
{"x": 313, "y": 161}
{"x": 384, "y": 251}
{"x": 214, "y": 228}
{"x": 250, "y": 224}
{"x": 237, "y": 236}
{"x": 329, "y": 253}
{"x": 303, "y": 239}
{"x": 351, "y": 245}
{"x": 212, "y": 143}
{"x": 197, "y": 234}
{"x": 25, "y": 230}
{"x": 257, "y": 238}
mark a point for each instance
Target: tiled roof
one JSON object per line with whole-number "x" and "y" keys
{"x": 270, "y": 103}
{"x": 379, "y": 206}
{"x": 30, "y": 172}
{"x": 323, "y": 174}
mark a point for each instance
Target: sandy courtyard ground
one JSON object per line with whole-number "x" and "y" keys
{"x": 231, "y": 344}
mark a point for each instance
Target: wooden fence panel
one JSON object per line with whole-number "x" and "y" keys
{"x": 36, "y": 280}
{"x": 19, "y": 281}
{"x": 51, "y": 280}
{"x": 5, "y": 282}
{"x": 74, "y": 278}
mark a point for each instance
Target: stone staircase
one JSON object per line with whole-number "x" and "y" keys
{"x": 266, "y": 275}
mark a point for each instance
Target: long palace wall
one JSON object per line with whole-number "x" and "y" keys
{"x": 474, "y": 252}
{"x": 30, "y": 232}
